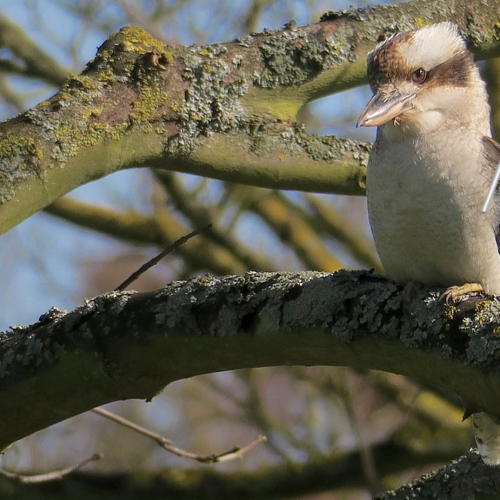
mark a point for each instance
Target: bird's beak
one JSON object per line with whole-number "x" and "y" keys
{"x": 383, "y": 107}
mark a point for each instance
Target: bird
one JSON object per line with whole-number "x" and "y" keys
{"x": 429, "y": 171}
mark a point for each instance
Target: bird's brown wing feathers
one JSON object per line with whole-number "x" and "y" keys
{"x": 491, "y": 151}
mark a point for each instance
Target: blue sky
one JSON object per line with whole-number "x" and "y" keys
{"x": 42, "y": 256}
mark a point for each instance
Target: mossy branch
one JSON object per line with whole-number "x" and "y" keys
{"x": 129, "y": 345}
{"x": 225, "y": 111}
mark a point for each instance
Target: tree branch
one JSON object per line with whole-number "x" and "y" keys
{"x": 128, "y": 345}
{"x": 36, "y": 62}
{"x": 465, "y": 478}
{"x": 161, "y": 229}
{"x": 225, "y": 111}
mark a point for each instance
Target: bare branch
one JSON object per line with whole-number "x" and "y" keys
{"x": 48, "y": 476}
{"x": 152, "y": 262}
{"x": 166, "y": 444}
{"x": 37, "y": 63}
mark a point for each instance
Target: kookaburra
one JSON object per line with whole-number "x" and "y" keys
{"x": 429, "y": 172}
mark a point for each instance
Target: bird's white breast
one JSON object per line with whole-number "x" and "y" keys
{"x": 424, "y": 199}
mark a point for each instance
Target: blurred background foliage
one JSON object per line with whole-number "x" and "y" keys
{"x": 373, "y": 431}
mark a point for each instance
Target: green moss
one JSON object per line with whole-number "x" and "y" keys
{"x": 23, "y": 157}
{"x": 151, "y": 98}
{"x": 449, "y": 312}
{"x": 139, "y": 40}
{"x": 72, "y": 137}
{"x": 13, "y": 145}
{"x": 116, "y": 60}
{"x": 420, "y": 22}
{"x": 92, "y": 111}
{"x": 83, "y": 82}
{"x": 105, "y": 75}
{"x": 116, "y": 132}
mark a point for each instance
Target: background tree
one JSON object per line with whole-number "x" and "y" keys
{"x": 341, "y": 430}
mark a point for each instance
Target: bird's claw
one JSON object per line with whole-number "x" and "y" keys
{"x": 453, "y": 293}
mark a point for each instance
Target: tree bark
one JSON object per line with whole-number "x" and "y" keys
{"x": 464, "y": 479}
{"x": 130, "y": 345}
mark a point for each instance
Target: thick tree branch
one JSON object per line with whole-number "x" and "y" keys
{"x": 225, "y": 111}
{"x": 126, "y": 345}
{"x": 463, "y": 479}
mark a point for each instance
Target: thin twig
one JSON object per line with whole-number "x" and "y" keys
{"x": 365, "y": 451}
{"x": 236, "y": 452}
{"x": 150, "y": 263}
{"x": 49, "y": 476}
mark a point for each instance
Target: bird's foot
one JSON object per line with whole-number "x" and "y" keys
{"x": 455, "y": 292}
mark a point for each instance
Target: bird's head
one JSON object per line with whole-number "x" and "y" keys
{"x": 422, "y": 80}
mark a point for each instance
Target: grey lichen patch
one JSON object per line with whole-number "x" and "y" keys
{"x": 357, "y": 14}
{"x": 358, "y": 309}
{"x": 212, "y": 101}
{"x": 330, "y": 148}
{"x": 296, "y": 141}
{"x": 119, "y": 300}
{"x": 294, "y": 311}
{"x": 69, "y": 121}
{"x": 252, "y": 304}
{"x": 172, "y": 309}
{"x": 292, "y": 57}
{"x": 25, "y": 350}
{"x": 56, "y": 334}
{"x": 378, "y": 311}
{"x": 484, "y": 343}
{"x": 424, "y": 327}
{"x": 22, "y": 158}
{"x": 413, "y": 337}
{"x": 482, "y": 349}
{"x": 479, "y": 36}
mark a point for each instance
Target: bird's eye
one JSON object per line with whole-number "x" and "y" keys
{"x": 419, "y": 75}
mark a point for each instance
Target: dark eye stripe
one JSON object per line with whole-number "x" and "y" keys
{"x": 454, "y": 71}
